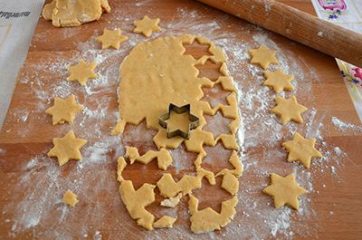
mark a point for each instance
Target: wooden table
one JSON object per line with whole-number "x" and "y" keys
{"x": 32, "y": 184}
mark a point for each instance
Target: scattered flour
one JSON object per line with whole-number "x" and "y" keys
{"x": 260, "y": 136}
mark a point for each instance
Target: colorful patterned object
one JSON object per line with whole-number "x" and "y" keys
{"x": 348, "y": 14}
{"x": 335, "y": 7}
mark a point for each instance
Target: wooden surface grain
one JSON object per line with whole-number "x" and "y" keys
{"x": 336, "y": 200}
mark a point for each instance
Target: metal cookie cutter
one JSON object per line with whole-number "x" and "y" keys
{"x": 193, "y": 120}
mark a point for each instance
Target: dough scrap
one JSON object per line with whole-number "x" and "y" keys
{"x": 278, "y": 81}
{"x": 66, "y": 148}
{"x": 82, "y": 72}
{"x": 207, "y": 219}
{"x": 301, "y": 149}
{"x": 70, "y": 198}
{"x": 289, "y": 109}
{"x": 164, "y": 159}
{"x": 111, "y": 38}
{"x": 284, "y": 190}
{"x": 263, "y": 56}
{"x": 165, "y": 222}
{"x": 64, "y": 110}
{"x": 230, "y": 183}
{"x": 72, "y": 13}
{"x": 147, "y": 26}
{"x": 136, "y": 202}
{"x": 169, "y": 188}
{"x": 171, "y": 202}
{"x": 161, "y": 65}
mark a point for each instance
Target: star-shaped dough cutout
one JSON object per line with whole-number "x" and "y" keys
{"x": 70, "y": 198}
{"x": 147, "y": 26}
{"x": 111, "y": 38}
{"x": 82, "y": 71}
{"x": 289, "y": 109}
{"x": 301, "y": 149}
{"x": 278, "y": 81}
{"x": 64, "y": 110}
{"x": 263, "y": 56}
{"x": 66, "y": 148}
{"x": 284, "y": 190}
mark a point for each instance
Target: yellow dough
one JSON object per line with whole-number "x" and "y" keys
{"x": 72, "y": 13}
{"x": 111, "y": 38}
{"x": 284, "y": 190}
{"x": 171, "y": 202}
{"x": 153, "y": 75}
{"x": 66, "y": 148}
{"x": 64, "y": 110}
{"x": 301, "y": 149}
{"x": 147, "y": 26}
{"x": 164, "y": 158}
{"x": 278, "y": 81}
{"x": 289, "y": 109}
{"x": 82, "y": 72}
{"x": 70, "y": 198}
{"x": 263, "y": 56}
{"x": 136, "y": 202}
{"x": 164, "y": 222}
{"x": 207, "y": 219}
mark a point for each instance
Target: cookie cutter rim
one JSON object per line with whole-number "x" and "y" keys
{"x": 194, "y": 120}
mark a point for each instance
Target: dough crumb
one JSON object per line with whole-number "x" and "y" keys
{"x": 70, "y": 198}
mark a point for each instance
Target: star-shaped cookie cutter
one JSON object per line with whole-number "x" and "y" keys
{"x": 193, "y": 120}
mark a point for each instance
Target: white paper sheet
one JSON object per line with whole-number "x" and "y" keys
{"x": 18, "y": 19}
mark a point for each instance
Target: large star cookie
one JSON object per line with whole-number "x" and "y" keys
{"x": 284, "y": 190}
{"x": 263, "y": 56}
{"x": 301, "y": 149}
{"x": 66, "y": 148}
{"x": 111, "y": 38}
{"x": 289, "y": 109}
{"x": 278, "y": 81}
{"x": 82, "y": 72}
{"x": 64, "y": 110}
{"x": 147, "y": 26}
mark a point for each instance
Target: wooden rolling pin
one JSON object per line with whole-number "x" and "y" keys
{"x": 304, "y": 28}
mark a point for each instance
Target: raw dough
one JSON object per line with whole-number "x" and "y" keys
{"x": 289, "y": 109}
{"x": 136, "y": 202}
{"x": 263, "y": 56}
{"x": 207, "y": 219}
{"x": 164, "y": 158}
{"x": 70, "y": 198}
{"x": 66, "y": 148}
{"x": 82, "y": 71}
{"x": 301, "y": 149}
{"x": 64, "y": 110}
{"x": 278, "y": 81}
{"x": 111, "y": 38}
{"x": 284, "y": 190}
{"x": 162, "y": 66}
{"x": 147, "y": 26}
{"x": 164, "y": 222}
{"x": 171, "y": 202}
{"x": 72, "y": 13}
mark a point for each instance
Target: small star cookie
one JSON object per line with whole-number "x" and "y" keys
{"x": 147, "y": 26}
{"x": 64, "y": 110}
{"x": 278, "y": 81}
{"x": 70, "y": 198}
{"x": 289, "y": 109}
{"x": 263, "y": 56}
{"x": 82, "y": 71}
{"x": 284, "y": 190}
{"x": 111, "y": 38}
{"x": 301, "y": 149}
{"x": 67, "y": 148}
